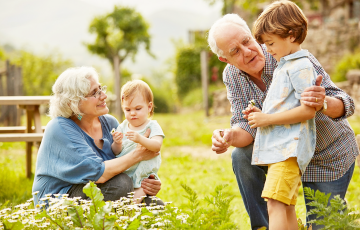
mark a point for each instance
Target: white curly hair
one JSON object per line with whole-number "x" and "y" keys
{"x": 69, "y": 89}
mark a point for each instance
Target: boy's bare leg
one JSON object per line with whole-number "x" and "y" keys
{"x": 291, "y": 217}
{"x": 277, "y": 215}
{"x": 139, "y": 195}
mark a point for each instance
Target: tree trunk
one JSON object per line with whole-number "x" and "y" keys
{"x": 118, "y": 110}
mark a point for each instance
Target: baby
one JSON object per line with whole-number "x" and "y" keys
{"x": 138, "y": 105}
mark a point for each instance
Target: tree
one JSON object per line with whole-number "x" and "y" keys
{"x": 119, "y": 35}
{"x": 39, "y": 72}
{"x": 229, "y": 6}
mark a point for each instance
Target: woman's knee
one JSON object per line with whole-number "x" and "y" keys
{"x": 118, "y": 186}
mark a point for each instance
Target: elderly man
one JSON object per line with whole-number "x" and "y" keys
{"x": 248, "y": 76}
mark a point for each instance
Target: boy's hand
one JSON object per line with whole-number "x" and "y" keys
{"x": 117, "y": 137}
{"x": 134, "y": 136}
{"x": 258, "y": 119}
{"x": 251, "y": 108}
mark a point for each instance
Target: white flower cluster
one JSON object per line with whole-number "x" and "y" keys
{"x": 58, "y": 207}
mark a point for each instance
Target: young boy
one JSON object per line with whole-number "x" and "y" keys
{"x": 287, "y": 147}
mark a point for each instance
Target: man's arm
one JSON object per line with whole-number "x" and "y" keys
{"x": 339, "y": 104}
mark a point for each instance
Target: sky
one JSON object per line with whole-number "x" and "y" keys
{"x": 43, "y": 26}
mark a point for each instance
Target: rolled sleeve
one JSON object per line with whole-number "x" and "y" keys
{"x": 332, "y": 90}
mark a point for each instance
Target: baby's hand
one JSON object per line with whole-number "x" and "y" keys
{"x": 134, "y": 136}
{"x": 117, "y": 137}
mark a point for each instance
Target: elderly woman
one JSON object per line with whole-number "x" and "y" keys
{"x": 76, "y": 147}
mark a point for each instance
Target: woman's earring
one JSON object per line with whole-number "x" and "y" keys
{"x": 79, "y": 117}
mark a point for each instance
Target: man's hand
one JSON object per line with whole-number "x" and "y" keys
{"x": 258, "y": 119}
{"x": 151, "y": 186}
{"x": 221, "y": 140}
{"x": 314, "y": 96}
{"x": 134, "y": 136}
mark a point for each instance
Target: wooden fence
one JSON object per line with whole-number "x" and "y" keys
{"x": 11, "y": 84}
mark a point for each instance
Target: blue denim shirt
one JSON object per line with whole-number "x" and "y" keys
{"x": 68, "y": 156}
{"x": 276, "y": 143}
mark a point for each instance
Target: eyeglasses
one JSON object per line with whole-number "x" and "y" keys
{"x": 98, "y": 93}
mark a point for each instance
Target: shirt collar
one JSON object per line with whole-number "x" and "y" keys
{"x": 296, "y": 55}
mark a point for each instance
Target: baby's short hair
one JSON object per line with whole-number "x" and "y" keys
{"x": 131, "y": 88}
{"x": 283, "y": 18}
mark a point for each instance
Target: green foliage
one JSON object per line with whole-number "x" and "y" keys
{"x": 40, "y": 72}
{"x": 188, "y": 67}
{"x": 162, "y": 104}
{"x": 349, "y": 61}
{"x": 2, "y": 54}
{"x": 336, "y": 216}
{"x": 229, "y": 5}
{"x": 188, "y": 70}
{"x": 69, "y": 213}
{"x": 13, "y": 174}
{"x": 119, "y": 33}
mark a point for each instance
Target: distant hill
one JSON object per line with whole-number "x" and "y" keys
{"x": 43, "y": 25}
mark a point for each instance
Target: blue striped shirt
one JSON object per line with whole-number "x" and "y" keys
{"x": 336, "y": 147}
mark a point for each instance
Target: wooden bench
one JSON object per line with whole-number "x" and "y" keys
{"x": 17, "y": 129}
{"x": 18, "y": 137}
{"x": 29, "y": 133}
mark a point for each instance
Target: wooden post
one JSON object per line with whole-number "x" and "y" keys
{"x": 18, "y": 91}
{"x": 11, "y": 116}
{"x": 29, "y": 117}
{"x": 205, "y": 80}
{"x": 118, "y": 111}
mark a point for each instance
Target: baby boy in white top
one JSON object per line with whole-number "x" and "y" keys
{"x": 287, "y": 147}
{"x": 138, "y": 105}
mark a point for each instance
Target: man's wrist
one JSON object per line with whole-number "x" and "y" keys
{"x": 324, "y": 107}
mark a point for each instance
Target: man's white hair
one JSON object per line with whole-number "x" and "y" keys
{"x": 69, "y": 89}
{"x": 226, "y": 19}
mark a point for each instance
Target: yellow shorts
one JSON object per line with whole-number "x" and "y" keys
{"x": 283, "y": 181}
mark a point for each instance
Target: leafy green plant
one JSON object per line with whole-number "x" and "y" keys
{"x": 349, "y": 61}
{"x": 336, "y": 216}
{"x": 74, "y": 213}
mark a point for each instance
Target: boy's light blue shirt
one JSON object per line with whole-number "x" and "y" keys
{"x": 68, "y": 156}
{"x": 276, "y": 143}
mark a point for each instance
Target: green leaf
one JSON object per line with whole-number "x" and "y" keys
{"x": 13, "y": 225}
{"x": 76, "y": 213}
{"x": 97, "y": 198}
{"x": 134, "y": 225}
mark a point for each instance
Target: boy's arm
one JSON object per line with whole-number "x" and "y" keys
{"x": 292, "y": 116}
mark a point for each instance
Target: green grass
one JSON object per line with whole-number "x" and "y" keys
{"x": 186, "y": 158}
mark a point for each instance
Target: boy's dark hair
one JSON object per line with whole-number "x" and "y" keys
{"x": 283, "y": 18}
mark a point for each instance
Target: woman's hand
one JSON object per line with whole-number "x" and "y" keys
{"x": 151, "y": 186}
